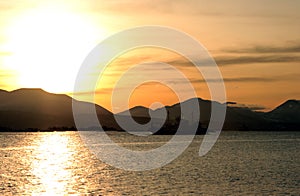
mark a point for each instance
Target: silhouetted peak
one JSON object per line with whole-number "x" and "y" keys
{"x": 292, "y": 101}
{"x": 3, "y": 91}
{"x": 200, "y": 101}
{"x": 137, "y": 111}
{"x": 139, "y": 108}
{"x": 30, "y": 91}
{"x": 289, "y": 104}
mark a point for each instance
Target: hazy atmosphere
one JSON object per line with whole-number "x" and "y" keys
{"x": 151, "y": 97}
{"x": 43, "y": 43}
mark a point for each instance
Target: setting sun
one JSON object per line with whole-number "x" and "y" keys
{"x": 43, "y": 44}
{"x": 48, "y": 45}
{"x": 149, "y": 97}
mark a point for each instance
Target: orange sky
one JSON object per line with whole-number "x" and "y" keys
{"x": 43, "y": 43}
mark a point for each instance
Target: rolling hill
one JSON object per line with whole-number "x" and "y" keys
{"x": 284, "y": 117}
{"x": 36, "y": 109}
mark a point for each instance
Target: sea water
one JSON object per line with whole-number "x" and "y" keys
{"x": 240, "y": 163}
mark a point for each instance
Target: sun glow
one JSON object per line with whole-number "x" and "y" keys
{"x": 51, "y": 167}
{"x": 48, "y": 45}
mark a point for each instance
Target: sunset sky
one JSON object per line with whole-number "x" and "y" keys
{"x": 256, "y": 45}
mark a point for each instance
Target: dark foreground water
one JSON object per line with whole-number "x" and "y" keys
{"x": 58, "y": 163}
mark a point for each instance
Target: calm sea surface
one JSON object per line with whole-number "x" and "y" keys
{"x": 58, "y": 163}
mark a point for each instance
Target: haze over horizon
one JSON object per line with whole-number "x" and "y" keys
{"x": 251, "y": 107}
{"x": 257, "y": 47}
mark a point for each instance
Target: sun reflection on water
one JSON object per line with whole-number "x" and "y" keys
{"x": 51, "y": 165}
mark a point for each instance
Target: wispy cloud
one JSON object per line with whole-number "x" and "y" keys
{"x": 288, "y": 48}
{"x": 237, "y": 79}
{"x": 253, "y": 107}
{"x": 98, "y": 91}
{"x": 2, "y": 86}
{"x": 239, "y": 60}
{"x": 256, "y": 59}
{"x": 198, "y": 7}
{"x": 5, "y": 53}
{"x": 6, "y": 78}
{"x": 241, "y": 79}
{"x": 7, "y": 74}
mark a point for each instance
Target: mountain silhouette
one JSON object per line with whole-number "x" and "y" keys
{"x": 286, "y": 112}
{"x": 137, "y": 111}
{"x": 284, "y": 117}
{"x": 36, "y": 109}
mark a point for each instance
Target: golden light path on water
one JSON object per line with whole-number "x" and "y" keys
{"x": 52, "y": 160}
{"x": 58, "y": 163}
